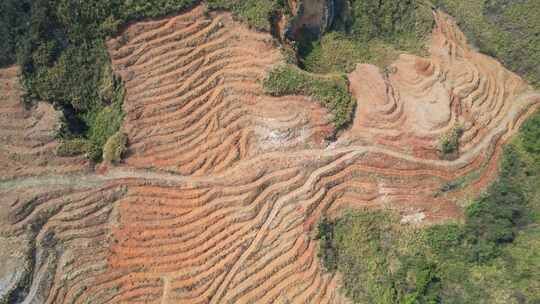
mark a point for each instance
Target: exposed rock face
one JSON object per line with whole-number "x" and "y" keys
{"x": 222, "y": 185}
{"x": 314, "y": 16}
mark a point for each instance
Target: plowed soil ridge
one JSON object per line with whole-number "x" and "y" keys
{"x": 424, "y": 99}
{"x": 222, "y": 187}
{"x": 194, "y": 103}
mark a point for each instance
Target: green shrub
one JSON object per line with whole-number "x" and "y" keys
{"x": 390, "y": 20}
{"x": 256, "y": 13}
{"x": 103, "y": 125}
{"x": 115, "y": 147}
{"x": 14, "y": 17}
{"x": 449, "y": 143}
{"x": 494, "y": 216}
{"x": 530, "y": 134}
{"x": 442, "y": 238}
{"x": 418, "y": 281}
{"x": 335, "y": 52}
{"x": 139, "y": 9}
{"x": 73, "y": 79}
{"x": 327, "y": 250}
{"x": 362, "y": 257}
{"x": 376, "y": 264}
{"x": 331, "y": 91}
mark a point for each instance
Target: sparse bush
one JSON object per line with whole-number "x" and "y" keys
{"x": 115, "y": 147}
{"x": 449, "y": 143}
{"x": 332, "y": 92}
{"x": 289, "y": 54}
{"x": 72, "y": 147}
{"x": 452, "y": 185}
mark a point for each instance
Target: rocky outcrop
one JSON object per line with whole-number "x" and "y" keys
{"x": 312, "y": 16}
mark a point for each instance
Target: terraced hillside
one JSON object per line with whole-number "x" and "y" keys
{"x": 194, "y": 104}
{"x": 417, "y": 101}
{"x": 222, "y": 185}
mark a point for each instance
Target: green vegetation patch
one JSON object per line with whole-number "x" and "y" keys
{"x": 449, "y": 143}
{"x": 331, "y": 91}
{"x": 393, "y": 21}
{"x": 380, "y": 263}
{"x": 14, "y": 16}
{"x": 373, "y": 31}
{"x": 256, "y": 13}
{"x": 492, "y": 257}
{"x": 531, "y": 135}
{"x": 336, "y": 52}
{"x": 103, "y": 125}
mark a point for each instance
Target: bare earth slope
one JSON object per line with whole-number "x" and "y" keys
{"x": 194, "y": 104}
{"x": 222, "y": 185}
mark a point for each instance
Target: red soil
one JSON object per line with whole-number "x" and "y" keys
{"x": 194, "y": 101}
{"x": 223, "y": 185}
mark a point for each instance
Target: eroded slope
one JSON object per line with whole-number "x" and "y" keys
{"x": 194, "y": 103}
{"x": 222, "y": 185}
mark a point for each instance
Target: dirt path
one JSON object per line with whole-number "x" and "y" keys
{"x": 524, "y": 103}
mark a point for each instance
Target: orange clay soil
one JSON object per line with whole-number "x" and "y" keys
{"x": 222, "y": 186}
